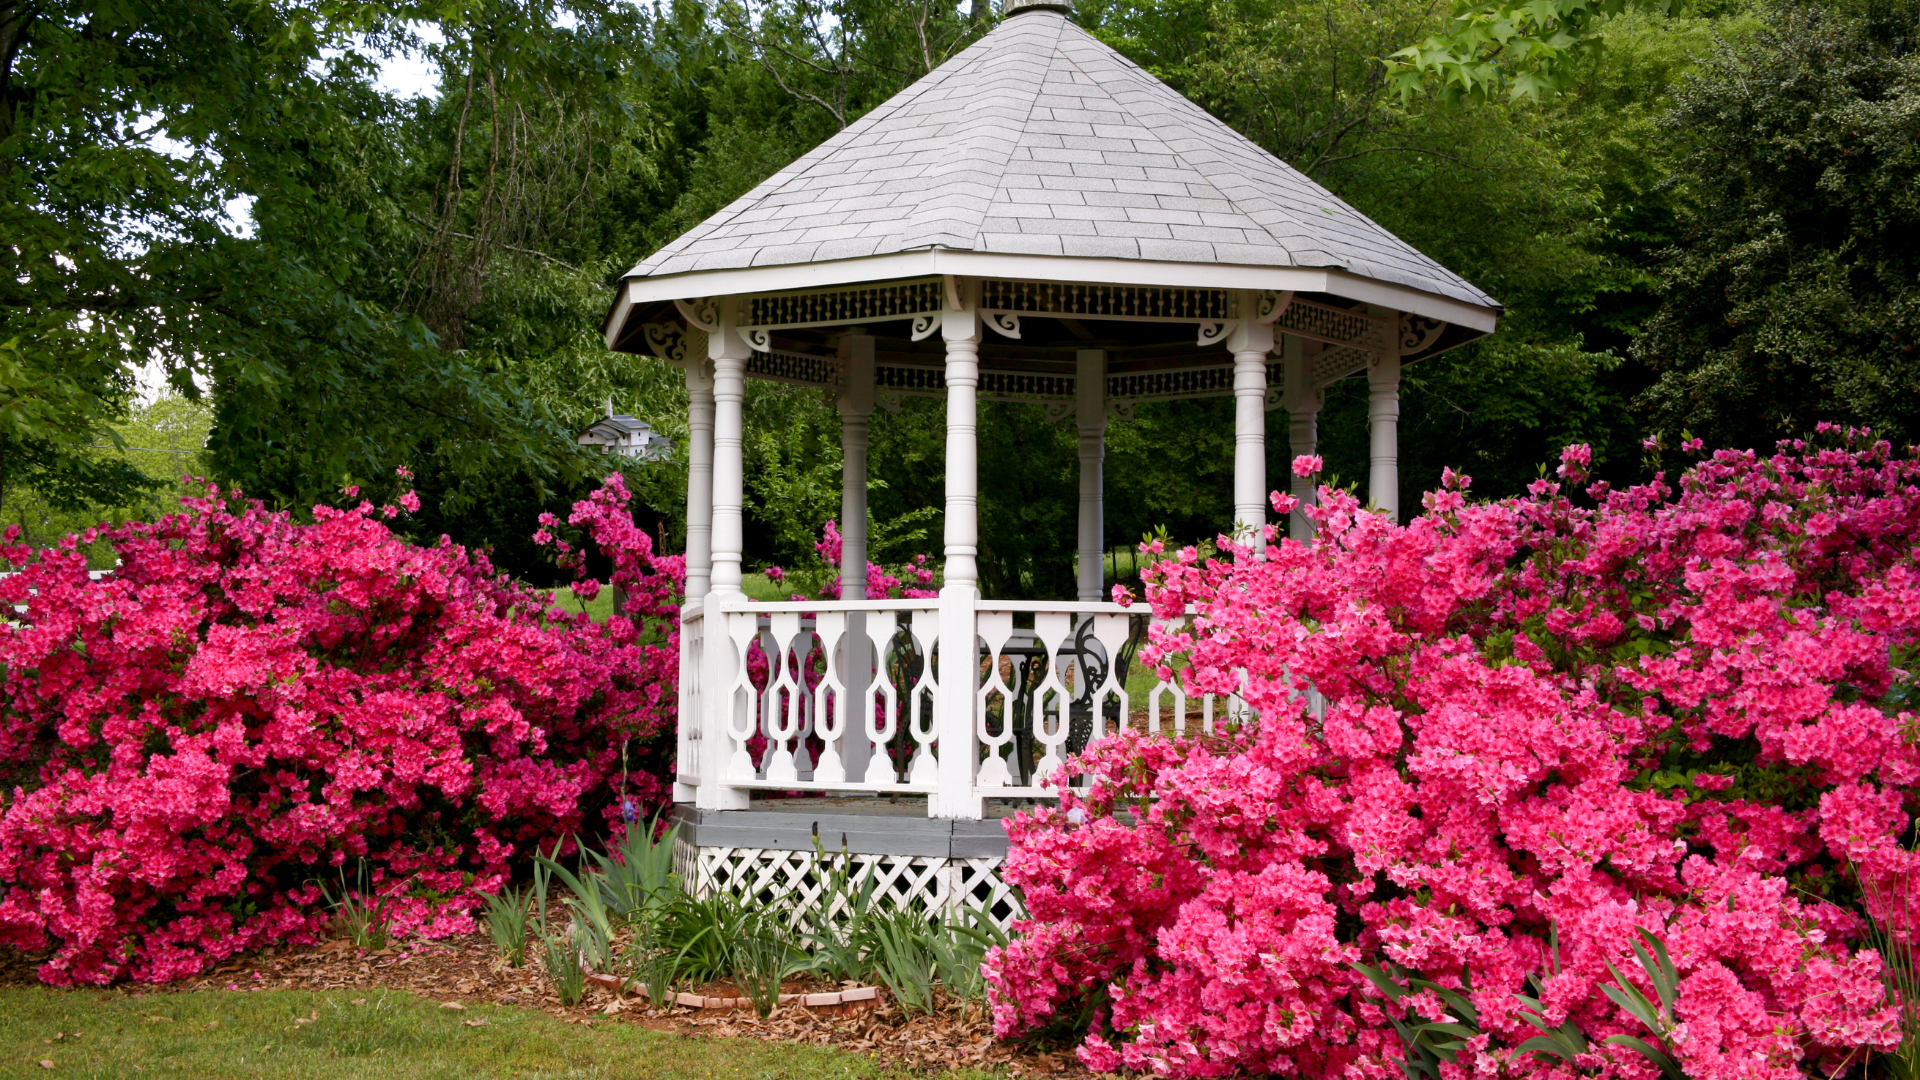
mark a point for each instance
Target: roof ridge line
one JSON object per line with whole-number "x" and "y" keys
{"x": 915, "y": 224}
{"x": 1147, "y": 82}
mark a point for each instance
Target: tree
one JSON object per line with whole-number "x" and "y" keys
{"x": 127, "y": 136}
{"x": 1794, "y": 295}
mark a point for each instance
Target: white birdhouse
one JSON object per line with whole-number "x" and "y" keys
{"x": 627, "y": 436}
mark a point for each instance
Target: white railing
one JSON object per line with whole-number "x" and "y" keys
{"x": 853, "y": 696}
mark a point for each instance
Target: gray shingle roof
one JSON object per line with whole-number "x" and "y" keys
{"x": 1040, "y": 140}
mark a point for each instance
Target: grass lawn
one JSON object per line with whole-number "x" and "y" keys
{"x": 326, "y": 1036}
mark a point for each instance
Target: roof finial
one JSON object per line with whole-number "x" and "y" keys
{"x": 1015, "y": 7}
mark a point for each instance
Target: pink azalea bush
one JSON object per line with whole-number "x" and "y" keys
{"x": 1490, "y": 746}
{"x": 248, "y": 708}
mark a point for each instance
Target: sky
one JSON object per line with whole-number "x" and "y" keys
{"x": 410, "y": 74}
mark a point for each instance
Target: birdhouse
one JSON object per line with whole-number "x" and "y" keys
{"x": 627, "y": 436}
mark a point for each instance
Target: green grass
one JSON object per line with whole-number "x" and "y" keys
{"x": 599, "y": 609}
{"x": 219, "y": 1035}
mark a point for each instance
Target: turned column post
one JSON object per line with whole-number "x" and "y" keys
{"x": 855, "y": 402}
{"x": 1303, "y": 430}
{"x": 1090, "y": 409}
{"x": 960, "y": 591}
{"x": 1383, "y": 424}
{"x": 729, "y": 353}
{"x": 699, "y": 376}
{"x": 1250, "y": 343}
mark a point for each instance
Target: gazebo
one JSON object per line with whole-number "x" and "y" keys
{"x": 1037, "y": 220}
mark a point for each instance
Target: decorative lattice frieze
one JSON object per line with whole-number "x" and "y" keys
{"x": 910, "y": 380}
{"x": 1188, "y": 382}
{"x": 797, "y": 881}
{"x": 1020, "y": 384}
{"x": 1338, "y": 326}
{"x": 1108, "y": 301}
{"x": 842, "y": 306}
{"x": 1333, "y": 365}
{"x": 791, "y": 367}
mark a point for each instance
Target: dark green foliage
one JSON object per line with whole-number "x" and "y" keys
{"x": 1794, "y": 295}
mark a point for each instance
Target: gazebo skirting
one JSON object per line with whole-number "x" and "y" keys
{"x": 787, "y": 850}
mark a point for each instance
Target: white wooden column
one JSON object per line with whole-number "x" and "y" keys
{"x": 1250, "y": 343}
{"x": 1303, "y": 434}
{"x": 729, "y": 353}
{"x": 855, "y": 402}
{"x": 699, "y": 374}
{"x": 699, "y": 371}
{"x": 1383, "y": 428}
{"x": 959, "y": 666}
{"x": 1090, "y": 408}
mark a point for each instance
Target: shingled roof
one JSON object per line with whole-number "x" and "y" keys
{"x": 1040, "y": 140}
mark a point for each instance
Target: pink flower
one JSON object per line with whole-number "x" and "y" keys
{"x": 1308, "y": 465}
{"x": 247, "y": 706}
{"x": 1460, "y": 769}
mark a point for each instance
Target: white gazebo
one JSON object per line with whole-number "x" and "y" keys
{"x": 1037, "y": 220}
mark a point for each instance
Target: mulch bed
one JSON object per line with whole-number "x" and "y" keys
{"x": 463, "y": 971}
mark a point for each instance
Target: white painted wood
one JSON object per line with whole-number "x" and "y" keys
{"x": 729, "y": 353}
{"x": 1250, "y": 343}
{"x": 699, "y": 374}
{"x": 961, "y": 329}
{"x": 855, "y": 403}
{"x": 1383, "y": 430}
{"x": 1090, "y": 408}
{"x": 690, "y": 763}
{"x": 960, "y": 591}
{"x": 729, "y": 696}
{"x": 1303, "y": 401}
{"x": 689, "y": 748}
{"x": 1096, "y": 271}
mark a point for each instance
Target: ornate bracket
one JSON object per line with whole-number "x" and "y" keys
{"x": 1120, "y": 410}
{"x": 1272, "y": 305}
{"x": 703, "y": 312}
{"x": 1006, "y": 322}
{"x": 888, "y": 400}
{"x": 1417, "y": 332}
{"x": 759, "y": 340}
{"x": 667, "y": 341}
{"x": 1059, "y": 410}
{"x": 1211, "y": 332}
{"x": 925, "y": 325}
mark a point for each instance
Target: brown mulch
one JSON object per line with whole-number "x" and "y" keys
{"x": 462, "y": 971}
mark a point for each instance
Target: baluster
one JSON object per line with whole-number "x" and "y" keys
{"x": 925, "y": 629}
{"x": 995, "y": 628}
{"x": 741, "y": 701}
{"x": 880, "y": 705}
{"x": 830, "y": 721}
{"x": 1052, "y": 695}
{"x": 784, "y": 693}
{"x": 1112, "y": 631}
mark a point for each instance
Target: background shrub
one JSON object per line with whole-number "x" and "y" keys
{"x": 1492, "y": 746}
{"x": 248, "y": 705}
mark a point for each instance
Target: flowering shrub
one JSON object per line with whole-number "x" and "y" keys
{"x": 249, "y": 707}
{"x": 1492, "y": 745}
{"x": 824, "y": 577}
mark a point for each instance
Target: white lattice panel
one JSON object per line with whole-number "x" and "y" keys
{"x": 797, "y": 880}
